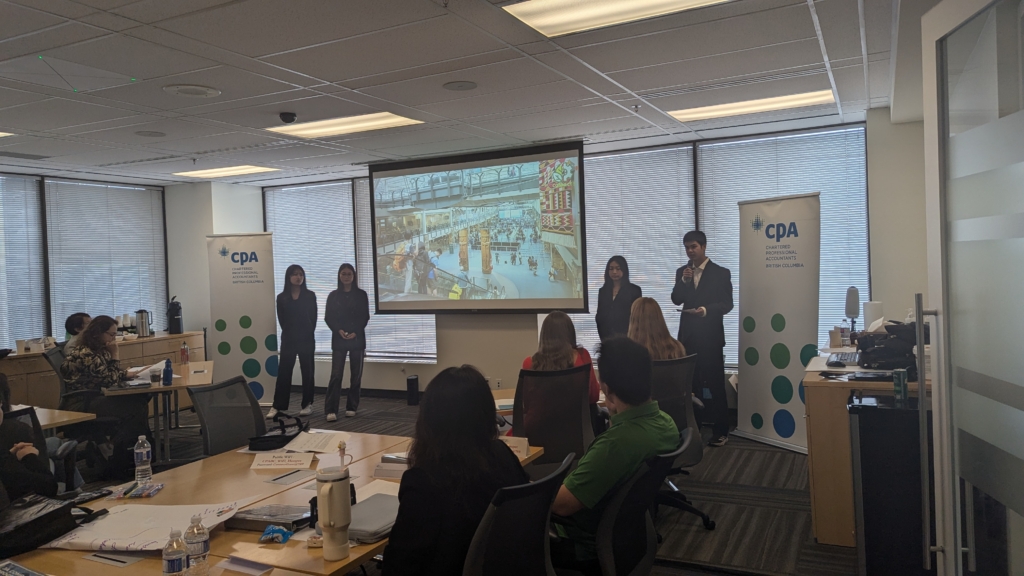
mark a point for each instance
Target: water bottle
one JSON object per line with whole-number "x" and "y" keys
{"x": 183, "y": 354}
{"x": 168, "y": 372}
{"x": 197, "y": 539}
{"x": 143, "y": 457}
{"x": 844, "y": 333}
{"x": 175, "y": 553}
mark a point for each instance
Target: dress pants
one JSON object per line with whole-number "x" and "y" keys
{"x": 133, "y": 411}
{"x": 334, "y": 386}
{"x": 710, "y": 376}
{"x": 283, "y": 389}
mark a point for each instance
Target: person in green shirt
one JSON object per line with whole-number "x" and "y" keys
{"x": 639, "y": 431}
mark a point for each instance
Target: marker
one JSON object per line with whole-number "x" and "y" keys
{"x": 129, "y": 490}
{"x": 111, "y": 559}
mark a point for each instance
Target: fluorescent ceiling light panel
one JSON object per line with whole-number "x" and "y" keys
{"x": 755, "y": 106}
{"x": 229, "y": 171}
{"x": 2, "y": 134}
{"x": 559, "y": 17}
{"x": 346, "y": 125}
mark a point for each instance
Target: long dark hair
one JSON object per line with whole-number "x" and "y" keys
{"x": 355, "y": 277}
{"x": 556, "y": 346}
{"x": 455, "y": 428}
{"x": 92, "y": 336}
{"x": 288, "y": 274}
{"x": 622, "y": 265}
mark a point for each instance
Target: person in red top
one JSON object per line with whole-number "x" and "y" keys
{"x": 557, "y": 350}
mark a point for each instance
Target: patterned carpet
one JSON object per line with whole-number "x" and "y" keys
{"x": 757, "y": 494}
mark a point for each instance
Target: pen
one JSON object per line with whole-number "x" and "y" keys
{"x": 129, "y": 489}
{"x": 225, "y": 511}
{"x": 111, "y": 559}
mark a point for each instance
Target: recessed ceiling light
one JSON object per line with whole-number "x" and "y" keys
{"x": 229, "y": 171}
{"x": 755, "y": 106}
{"x": 2, "y": 134}
{"x": 459, "y": 85}
{"x": 346, "y": 125}
{"x": 150, "y": 134}
{"x": 192, "y": 91}
{"x": 559, "y": 17}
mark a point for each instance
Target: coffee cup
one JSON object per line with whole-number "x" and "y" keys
{"x": 21, "y": 347}
{"x": 155, "y": 374}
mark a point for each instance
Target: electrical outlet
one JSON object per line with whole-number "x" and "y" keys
{"x": 499, "y": 383}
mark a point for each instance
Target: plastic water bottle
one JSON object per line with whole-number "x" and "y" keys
{"x": 175, "y": 553}
{"x": 844, "y": 333}
{"x": 168, "y": 372}
{"x": 143, "y": 458}
{"x": 197, "y": 539}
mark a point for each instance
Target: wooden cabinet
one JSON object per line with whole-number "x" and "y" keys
{"x": 34, "y": 382}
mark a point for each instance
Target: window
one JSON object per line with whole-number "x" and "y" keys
{"x": 106, "y": 250}
{"x": 313, "y": 228}
{"x": 638, "y": 205}
{"x": 22, "y": 272}
{"x": 831, "y": 162}
{"x": 409, "y": 337}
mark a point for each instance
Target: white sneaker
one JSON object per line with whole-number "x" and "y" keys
{"x": 306, "y": 411}
{"x": 272, "y": 413}
{"x": 350, "y": 413}
{"x": 332, "y": 417}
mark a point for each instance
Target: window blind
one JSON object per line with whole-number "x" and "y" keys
{"x": 406, "y": 337}
{"x": 638, "y": 205}
{"x": 831, "y": 162}
{"x": 22, "y": 275}
{"x": 106, "y": 248}
{"x": 313, "y": 228}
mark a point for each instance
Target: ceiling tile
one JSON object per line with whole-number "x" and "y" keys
{"x": 174, "y": 130}
{"x": 424, "y": 42}
{"x": 48, "y": 39}
{"x": 183, "y": 165}
{"x": 878, "y": 79}
{"x": 850, "y": 84}
{"x": 150, "y": 11}
{"x": 59, "y": 74}
{"x": 105, "y": 4}
{"x": 721, "y": 67}
{"x": 109, "y": 21}
{"x": 66, "y": 8}
{"x": 739, "y": 33}
{"x": 308, "y": 110}
{"x": 500, "y": 77}
{"x": 878, "y": 25}
{"x": 764, "y": 124}
{"x": 44, "y": 146}
{"x": 279, "y": 153}
{"x": 217, "y": 104}
{"x": 110, "y": 156}
{"x": 573, "y": 114}
{"x": 17, "y": 21}
{"x": 519, "y": 99}
{"x": 220, "y": 143}
{"x": 10, "y": 97}
{"x": 426, "y": 70}
{"x": 579, "y": 130}
{"x": 131, "y": 57}
{"x": 107, "y": 124}
{"x": 260, "y": 27}
{"x": 840, "y": 27}
{"x": 233, "y": 83}
{"x": 57, "y": 113}
{"x": 334, "y": 160}
{"x": 452, "y": 146}
{"x": 381, "y": 139}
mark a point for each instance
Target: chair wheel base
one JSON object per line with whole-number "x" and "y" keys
{"x": 709, "y": 523}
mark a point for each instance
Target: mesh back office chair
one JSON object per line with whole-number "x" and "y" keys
{"x": 228, "y": 414}
{"x": 512, "y": 538}
{"x": 552, "y": 410}
{"x": 671, "y": 384}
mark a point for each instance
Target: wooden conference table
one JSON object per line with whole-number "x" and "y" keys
{"x": 227, "y": 477}
{"x": 50, "y": 419}
{"x": 192, "y": 374}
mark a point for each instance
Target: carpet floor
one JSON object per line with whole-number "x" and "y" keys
{"x": 757, "y": 495}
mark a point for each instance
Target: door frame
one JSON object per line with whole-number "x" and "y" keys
{"x": 942, "y": 20}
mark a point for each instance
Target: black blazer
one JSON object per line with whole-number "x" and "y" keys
{"x": 348, "y": 311}
{"x": 715, "y": 294}
{"x": 298, "y": 320}
{"x": 613, "y": 314}
{"x": 435, "y": 525}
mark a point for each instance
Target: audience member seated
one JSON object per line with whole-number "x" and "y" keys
{"x": 557, "y": 350}
{"x": 94, "y": 365}
{"x": 647, "y": 327}
{"x": 456, "y": 464}
{"x": 22, "y": 470}
{"x": 639, "y": 431}
{"x": 75, "y": 325}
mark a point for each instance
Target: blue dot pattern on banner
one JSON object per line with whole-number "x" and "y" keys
{"x": 784, "y": 424}
{"x": 801, "y": 389}
{"x": 271, "y": 365}
{"x": 257, "y": 389}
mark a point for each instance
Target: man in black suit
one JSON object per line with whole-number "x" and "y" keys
{"x": 704, "y": 289}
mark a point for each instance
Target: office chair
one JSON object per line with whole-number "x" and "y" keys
{"x": 22, "y": 425}
{"x": 229, "y": 415}
{"x": 552, "y": 409}
{"x": 671, "y": 382}
{"x": 512, "y": 538}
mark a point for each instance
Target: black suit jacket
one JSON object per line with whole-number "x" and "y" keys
{"x": 714, "y": 293}
{"x": 613, "y": 314}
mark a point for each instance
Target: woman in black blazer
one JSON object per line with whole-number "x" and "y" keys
{"x": 615, "y": 298}
{"x": 456, "y": 464}
{"x": 297, "y": 315}
{"x": 348, "y": 313}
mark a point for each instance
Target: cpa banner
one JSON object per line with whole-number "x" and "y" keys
{"x": 780, "y": 243}
{"x": 244, "y": 335}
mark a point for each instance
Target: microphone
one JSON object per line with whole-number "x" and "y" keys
{"x": 852, "y": 305}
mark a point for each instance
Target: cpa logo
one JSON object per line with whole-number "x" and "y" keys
{"x": 757, "y": 224}
{"x": 243, "y": 257}
{"x": 223, "y": 252}
{"x": 780, "y": 231}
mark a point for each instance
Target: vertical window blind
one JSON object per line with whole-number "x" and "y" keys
{"x": 106, "y": 248}
{"x": 406, "y": 337}
{"x": 832, "y": 162}
{"x": 313, "y": 228}
{"x": 638, "y": 205}
{"x": 22, "y": 272}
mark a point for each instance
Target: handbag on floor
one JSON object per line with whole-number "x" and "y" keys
{"x": 279, "y": 437}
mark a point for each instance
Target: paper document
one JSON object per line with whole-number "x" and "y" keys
{"x": 138, "y": 527}
{"x": 241, "y": 566}
{"x": 321, "y": 442}
{"x": 377, "y": 487}
{"x": 272, "y": 461}
{"x": 520, "y": 446}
